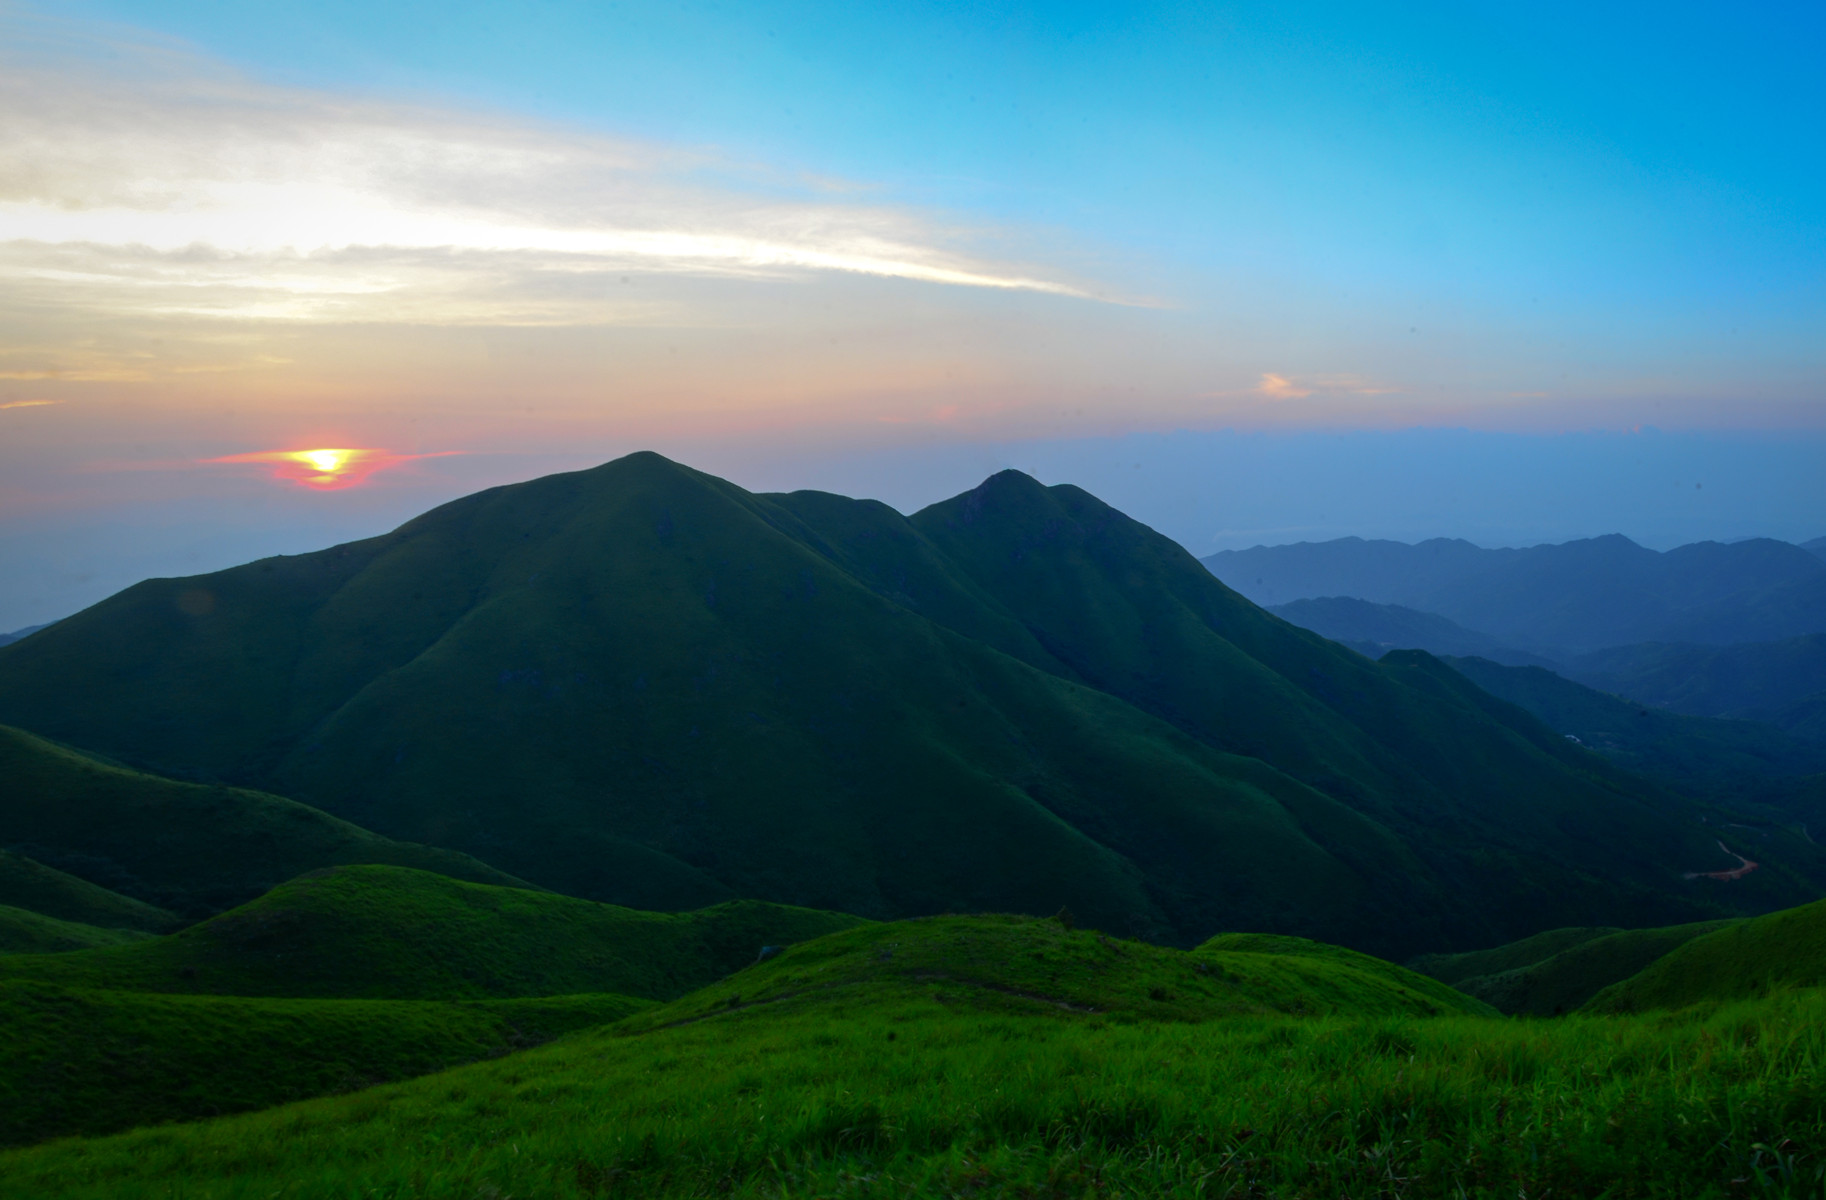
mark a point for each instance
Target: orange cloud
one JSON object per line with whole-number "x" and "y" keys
{"x": 326, "y": 469}
{"x": 1279, "y": 387}
{"x": 29, "y": 403}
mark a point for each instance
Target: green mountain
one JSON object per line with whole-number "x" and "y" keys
{"x": 1563, "y": 981}
{"x": 1746, "y": 959}
{"x": 641, "y": 684}
{"x": 190, "y": 848}
{"x": 377, "y": 932}
{"x": 1703, "y": 753}
{"x": 1782, "y": 683}
{"x": 1513, "y": 956}
{"x": 32, "y": 885}
{"x": 78, "y": 1062}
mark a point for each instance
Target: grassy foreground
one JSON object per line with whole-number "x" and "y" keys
{"x": 928, "y": 1091}
{"x": 86, "y": 1062}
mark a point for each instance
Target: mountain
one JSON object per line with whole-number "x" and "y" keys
{"x": 1700, "y": 753}
{"x": 641, "y": 684}
{"x": 23, "y": 931}
{"x": 1782, "y": 683}
{"x": 189, "y": 848}
{"x": 7, "y": 639}
{"x": 1375, "y": 629}
{"x": 1557, "y": 600}
{"x": 1744, "y": 960}
{"x": 392, "y": 933}
{"x": 1816, "y": 546}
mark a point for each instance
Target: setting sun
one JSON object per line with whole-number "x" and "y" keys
{"x": 325, "y": 470}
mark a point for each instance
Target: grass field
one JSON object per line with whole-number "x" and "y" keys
{"x": 25, "y": 932}
{"x": 75, "y": 1061}
{"x": 933, "y": 1089}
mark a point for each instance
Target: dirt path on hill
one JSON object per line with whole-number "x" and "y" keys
{"x": 1733, "y": 873}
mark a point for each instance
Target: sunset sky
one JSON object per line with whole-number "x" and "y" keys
{"x": 1254, "y": 272}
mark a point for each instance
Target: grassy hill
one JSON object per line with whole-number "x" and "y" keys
{"x": 25, "y": 932}
{"x": 1748, "y": 958}
{"x": 75, "y": 1061}
{"x": 956, "y": 1056}
{"x": 1564, "y": 981}
{"x": 27, "y": 884}
{"x": 376, "y": 932}
{"x": 1696, "y": 752}
{"x": 1525, "y": 952}
{"x": 186, "y": 847}
{"x": 643, "y": 685}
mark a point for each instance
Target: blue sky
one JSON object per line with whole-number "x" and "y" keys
{"x": 880, "y": 246}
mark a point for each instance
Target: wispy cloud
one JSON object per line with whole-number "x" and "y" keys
{"x": 28, "y": 403}
{"x": 163, "y": 184}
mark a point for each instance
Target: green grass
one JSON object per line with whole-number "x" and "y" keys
{"x": 25, "y": 932}
{"x": 1450, "y": 968}
{"x": 923, "y": 1088}
{"x": 382, "y": 932}
{"x": 84, "y": 1062}
{"x": 186, "y": 847}
{"x": 1564, "y": 981}
{"x": 644, "y": 685}
{"x": 1749, "y": 958}
{"x": 32, "y": 885}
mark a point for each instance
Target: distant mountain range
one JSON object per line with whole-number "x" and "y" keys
{"x": 1557, "y": 601}
{"x": 7, "y": 639}
{"x": 644, "y": 685}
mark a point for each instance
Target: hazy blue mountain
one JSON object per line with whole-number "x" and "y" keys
{"x": 1782, "y": 683}
{"x": 1703, "y": 753}
{"x": 1557, "y": 600}
{"x": 642, "y": 684}
{"x": 1375, "y": 629}
{"x": 7, "y": 639}
{"x": 1816, "y": 546}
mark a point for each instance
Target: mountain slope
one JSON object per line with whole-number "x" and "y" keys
{"x": 377, "y": 932}
{"x": 1699, "y": 752}
{"x": 186, "y": 847}
{"x": 1562, "y": 982}
{"x": 642, "y": 684}
{"x": 1782, "y": 682}
{"x": 1557, "y": 600}
{"x": 1375, "y": 629}
{"x": 1749, "y": 958}
{"x": 23, "y": 931}
{"x": 32, "y": 885}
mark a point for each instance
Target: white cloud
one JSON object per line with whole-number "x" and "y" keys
{"x": 159, "y": 183}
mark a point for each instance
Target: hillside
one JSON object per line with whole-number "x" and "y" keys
{"x": 1564, "y": 981}
{"x": 1747, "y": 959}
{"x": 32, "y": 885}
{"x": 7, "y": 639}
{"x": 78, "y": 1062}
{"x": 1557, "y": 600}
{"x": 1782, "y": 683}
{"x": 185, "y": 847}
{"x": 643, "y": 685}
{"x": 959, "y": 1056}
{"x": 376, "y": 932}
{"x": 1698, "y": 752}
{"x": 25, "y": 932}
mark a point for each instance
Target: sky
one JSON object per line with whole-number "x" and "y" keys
{"x": 1252, "y": 272}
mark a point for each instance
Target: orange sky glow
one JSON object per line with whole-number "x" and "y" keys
{"x": 325, "y": 469}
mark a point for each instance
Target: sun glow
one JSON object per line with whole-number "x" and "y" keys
{"x": 326, "y": 470}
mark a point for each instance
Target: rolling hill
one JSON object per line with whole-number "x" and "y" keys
{"x": 1375, "y": 629}
{"x": 189, "y": 848}
{"x": 1744, "y": 960}
{"x": 1781, "y": 683}
{"x": 393, "y": 933}
{"x": 643, "y": 685}
{"x": 1557, "y": 600}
